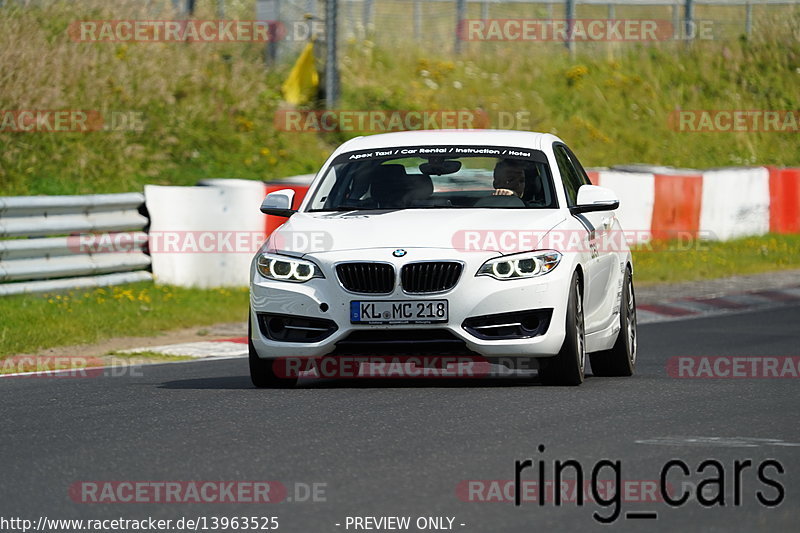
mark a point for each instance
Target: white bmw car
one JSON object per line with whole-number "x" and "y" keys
{"x": 491, "y": 244}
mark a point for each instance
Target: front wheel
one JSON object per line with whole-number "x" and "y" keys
{"x": 620, "y": 360}
{"x": 567, "y": 368}
{"x": 262, "y": 371}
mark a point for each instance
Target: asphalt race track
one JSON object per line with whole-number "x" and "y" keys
{"x": 389, "y": 448}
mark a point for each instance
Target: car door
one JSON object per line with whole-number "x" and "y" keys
{"x": 600, "y": 267}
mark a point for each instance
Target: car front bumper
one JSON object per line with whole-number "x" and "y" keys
{"x": 473, "y": 296}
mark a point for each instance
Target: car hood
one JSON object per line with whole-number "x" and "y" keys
{"x": 475, "y": 229}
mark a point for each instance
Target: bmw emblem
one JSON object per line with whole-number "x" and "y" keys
{"x": 399, "y": 253}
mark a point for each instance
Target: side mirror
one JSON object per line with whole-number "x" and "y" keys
{"x": 279, "y": 203}
{"x": 594, "y": 198}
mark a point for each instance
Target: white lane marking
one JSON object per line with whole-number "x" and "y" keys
{"x": 795, "y": 291}
{"x": 750, "y": 303}
{"x": 730, "y": 442}
{"x": 197, "y": 349}
{"x": 137, "y": 366}
{"x": 47, "y": 373}
{"x": 646, "y": 317}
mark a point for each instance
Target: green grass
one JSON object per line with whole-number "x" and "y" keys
{"x": 665, "y": 262}
{"x": 209, "y": 109}
{"x": 35, "y": 322}
{"x": 150, "y": 356}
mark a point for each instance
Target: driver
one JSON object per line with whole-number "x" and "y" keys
{"x": 509, "y": 178}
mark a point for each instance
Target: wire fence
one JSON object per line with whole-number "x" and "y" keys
{"x": 439, "y": 24}
{"x": 453, "y": 27}
{"x": 444, "y": 26}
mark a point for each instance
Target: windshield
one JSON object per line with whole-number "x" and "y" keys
{"x": 428, "y": 177}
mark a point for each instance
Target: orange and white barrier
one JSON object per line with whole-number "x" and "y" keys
{"x": 784, "y": 200}
{"x": 718, "y": 204}
{"x": 206, "y": 236}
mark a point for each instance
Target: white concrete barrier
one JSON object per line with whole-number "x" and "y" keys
{"x": 205, "y": 236}
{"x": 636, "y": 193}
{"x": 735, "y": 203}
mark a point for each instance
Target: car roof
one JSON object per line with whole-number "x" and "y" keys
{"x": 510, "y": 138}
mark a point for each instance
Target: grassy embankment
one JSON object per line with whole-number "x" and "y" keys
{"x": 209, "y": 108}
{"x": 36, "y": 322}
{"x": 209, "y": 112}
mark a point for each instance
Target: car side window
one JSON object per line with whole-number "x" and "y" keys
{"x": 569, "y": 175}
{"x": 578, "y": 167}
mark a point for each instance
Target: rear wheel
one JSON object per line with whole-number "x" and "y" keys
{"x": 567, "y": 368}
{"x": 262, "y": 372}
{"x": 620, "y": 360}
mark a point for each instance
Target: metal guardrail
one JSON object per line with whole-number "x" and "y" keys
{"x": 41, "y": 249}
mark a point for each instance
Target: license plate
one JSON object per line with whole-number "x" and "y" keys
{"x": 398, "y": 312}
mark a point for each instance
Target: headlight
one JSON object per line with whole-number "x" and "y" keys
{"x": 527, "y": 265}
{"x": 287, "y": 269}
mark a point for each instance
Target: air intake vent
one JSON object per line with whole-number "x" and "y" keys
{"x": 516, "y": 325}
{"x": 287, "y": 328}
{"x": 366, "y": 278}
{"x": 430, "y": 276}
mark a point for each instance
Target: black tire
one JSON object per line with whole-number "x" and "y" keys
{"x": 567, "y": 368}
{"x": 262, "y": 372}
{"x": 620, "y": 360}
